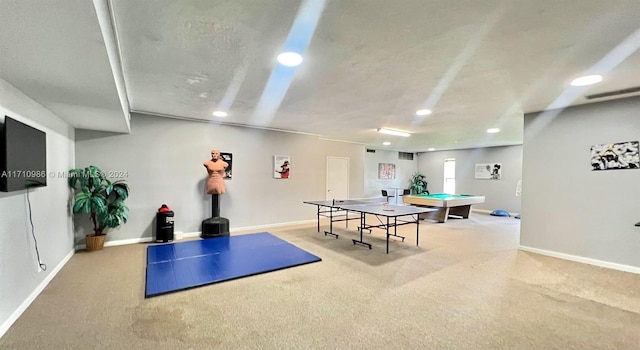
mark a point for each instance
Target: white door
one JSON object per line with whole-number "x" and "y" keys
{"x": 337, "y": 178}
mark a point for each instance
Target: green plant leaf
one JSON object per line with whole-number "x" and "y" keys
{"x": 82, "y": 203}
{"x": 122, "y": 189}
{"x": 98, "y": 205}
{"x": 98, "y": 197}
{"x": 418, "y": 183}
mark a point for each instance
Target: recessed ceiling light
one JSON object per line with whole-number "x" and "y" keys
{"x": 220, "y": 113}
{"x": 386, "y": 143}
{"x": 431, "y": 149}
{"x": 290, "y": 59}
{"x": 394, "y": 132}
{"x": 587, "y": 80}
{"x": 493, "y": 130}
{"x": 423, "y": 112}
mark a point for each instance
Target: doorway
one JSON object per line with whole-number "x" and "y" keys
{"x": 337, "y": 178}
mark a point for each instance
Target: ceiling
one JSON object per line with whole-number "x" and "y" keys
{"x": 367, "y": 63}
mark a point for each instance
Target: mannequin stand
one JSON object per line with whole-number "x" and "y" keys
{"x": 215, "y": 226}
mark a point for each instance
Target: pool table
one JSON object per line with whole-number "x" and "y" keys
{"x": 447, "y": 204}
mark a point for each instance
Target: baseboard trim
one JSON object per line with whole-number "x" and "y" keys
{"x": 34, "y": 294}
{"x": 483, "y": 211}
{"x": 580, "y": 259}
{"x": 119, "y": 242}
{"x": 261, "y": 227}
{"x": 198, "y": 233}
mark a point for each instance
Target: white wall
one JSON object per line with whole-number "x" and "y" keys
{"x": 566, "y": 207}
{"x": 19, "y": 271}
{"x": 499, "y": 194}
{"x": 163, "y": 158}
{"x": 404, "y": 169}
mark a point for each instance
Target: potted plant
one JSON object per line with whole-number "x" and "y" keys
{"x": 418, "y": 183}
{"x": 101, "y": 199}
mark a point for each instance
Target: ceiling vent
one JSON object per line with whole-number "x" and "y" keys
{"x": 405, "y": 155}
{"x": 614, "y": 93}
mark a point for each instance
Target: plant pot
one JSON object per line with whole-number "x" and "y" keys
{"x": 95, "y": 242}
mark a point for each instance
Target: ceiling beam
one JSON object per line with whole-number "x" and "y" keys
{"x": 109, "y": 34}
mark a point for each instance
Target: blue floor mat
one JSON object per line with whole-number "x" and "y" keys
{"x": 178, "y": 266}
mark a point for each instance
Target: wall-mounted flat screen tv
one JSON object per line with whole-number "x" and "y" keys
{"x": 23, "y": 156}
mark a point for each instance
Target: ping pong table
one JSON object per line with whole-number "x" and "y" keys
{"x": 388, "y": 216}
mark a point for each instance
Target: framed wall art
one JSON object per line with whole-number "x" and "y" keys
{"x": 621, "y": 155}
{"x": 386, "y": 171}
{"x": 227, "y": 157}
{"x": 282, "y": 167}
{"x": 489, "y": 171}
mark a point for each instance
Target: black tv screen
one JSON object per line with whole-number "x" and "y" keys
{"x": 23, "y": 156}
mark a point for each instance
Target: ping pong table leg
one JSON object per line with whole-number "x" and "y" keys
{"x": 347, "y": 220}
{"x": 395, "y": 227}
{"x": 318, "y": 218}
{"x": 330, "y": 232}
{"x": 362, "y": 223}
{"x": 417, "y": 230}
{"x": 388, "y": 235}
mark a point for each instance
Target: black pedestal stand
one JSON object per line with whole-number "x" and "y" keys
{"x": 215, "y": 226}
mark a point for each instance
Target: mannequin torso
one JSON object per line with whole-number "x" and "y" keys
{"x": 216, "y": 169}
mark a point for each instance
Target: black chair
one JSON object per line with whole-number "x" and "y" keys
{"x": 406, "y": 191}
{"x": 386, "y": 194}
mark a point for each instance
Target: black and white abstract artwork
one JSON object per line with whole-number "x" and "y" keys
{"x": 621, "y": 155}
{"x": 227, "y": 157}
{"x": 489, "y": 171}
